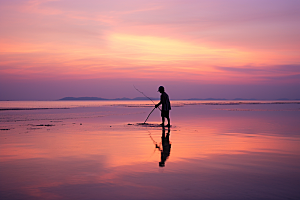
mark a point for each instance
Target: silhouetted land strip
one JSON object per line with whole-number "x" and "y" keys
{"x": 192, "y": 99}
{"x": 2, "y": 109}
{"x": 240, "y": 103}
{"x": 99, "y": 99}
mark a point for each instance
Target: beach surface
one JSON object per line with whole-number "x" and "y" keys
{"x": 101, "y": 150}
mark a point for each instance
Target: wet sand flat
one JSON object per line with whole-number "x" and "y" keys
{"x": 99, "y": 150}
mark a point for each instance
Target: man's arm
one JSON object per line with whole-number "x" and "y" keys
{"x": 158, "y": 104}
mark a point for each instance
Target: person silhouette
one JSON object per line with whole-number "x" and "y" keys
{"x": 166, "y": 147}
{"x": 166, "y": 106}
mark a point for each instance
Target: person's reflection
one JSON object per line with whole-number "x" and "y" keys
{"x": 166, "y": 146}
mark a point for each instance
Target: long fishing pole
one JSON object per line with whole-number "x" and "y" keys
{"x": 150, "y": 100}
{"x": 149, "y": 115}
{"x": 145, "y": 96}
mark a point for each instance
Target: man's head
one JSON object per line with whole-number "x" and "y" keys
{"x": 161, "y": 89}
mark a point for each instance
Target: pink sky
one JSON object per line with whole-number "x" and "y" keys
{"x": 50, "y": 49}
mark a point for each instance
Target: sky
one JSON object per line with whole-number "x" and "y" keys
{"x": 50, "y": 49}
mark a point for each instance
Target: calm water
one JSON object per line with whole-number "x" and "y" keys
{"x": 97, "y": 150}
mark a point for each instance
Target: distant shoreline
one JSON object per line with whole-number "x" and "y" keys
{"x": 144, "y": 98}
{"x": 101, "y": 99}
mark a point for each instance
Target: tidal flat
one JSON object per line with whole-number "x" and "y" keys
{"x": 100, "y": 150}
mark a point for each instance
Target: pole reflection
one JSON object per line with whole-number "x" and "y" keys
{"x": 164, "y": 146}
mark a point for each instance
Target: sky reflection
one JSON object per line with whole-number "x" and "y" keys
{"x": 214, "y": 154}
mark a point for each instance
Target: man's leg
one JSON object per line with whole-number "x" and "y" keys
{"x": 168, "y": 117}
{"x": 163, "y": 121}
{"x": 169, "y": 124}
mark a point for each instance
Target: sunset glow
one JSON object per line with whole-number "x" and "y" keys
{"x": 160, "y": 42}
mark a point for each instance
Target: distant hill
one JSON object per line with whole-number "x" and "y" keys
{"x": 124, "y": 98}
{"x": 81, "y": 98}
{"x": 99, "y": 99}
{"x": 145, "y": 98}
{"x": 244, "y": 99}
{"x": 212, "y": 99}
{"x": 206, "y": 99}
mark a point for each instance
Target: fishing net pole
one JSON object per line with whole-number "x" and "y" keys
{"x": 150, "y": 100}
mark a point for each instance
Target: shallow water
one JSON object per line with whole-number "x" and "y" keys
{"x": 98, "y": 150}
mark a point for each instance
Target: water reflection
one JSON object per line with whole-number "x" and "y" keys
{"x": 218, "y": 154}
{"x": 166, "y": 146}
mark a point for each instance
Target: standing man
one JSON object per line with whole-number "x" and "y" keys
{"x": 166, "y": 106}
